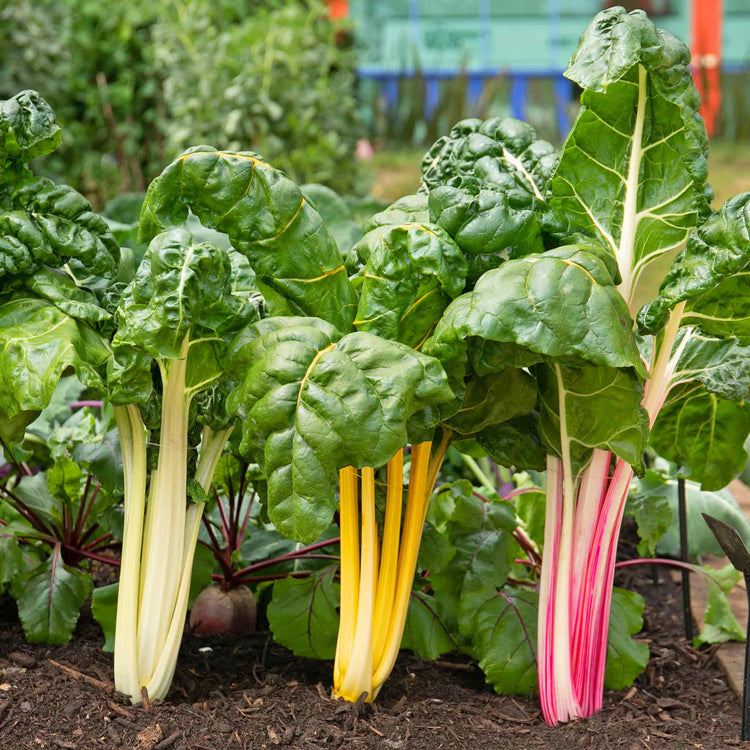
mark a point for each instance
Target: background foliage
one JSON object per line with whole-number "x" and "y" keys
{"x": 135, "y": 83}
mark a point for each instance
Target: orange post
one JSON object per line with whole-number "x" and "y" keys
{"x": 706, "y": 19}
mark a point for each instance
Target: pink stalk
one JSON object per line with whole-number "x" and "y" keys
{"x": 592, "y": 640}
{"x": 556, "y": 689}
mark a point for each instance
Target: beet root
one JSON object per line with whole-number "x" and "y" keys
{"x": 218, "y": 611}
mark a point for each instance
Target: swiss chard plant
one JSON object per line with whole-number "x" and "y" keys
{"x": 628, "y": 188}
{"x": 168, "y": 344}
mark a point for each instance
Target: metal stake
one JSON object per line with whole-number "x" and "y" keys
{"x": 686, "y": 613}
{"x": 736, "y": 551}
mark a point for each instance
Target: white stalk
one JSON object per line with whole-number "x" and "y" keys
{"x": 626, "y": 250}
{"x": 157, "y": 686}
{"x": 163, "y": 550}
{"x": 567, "y": 702}
{"x": 133, "y": 436}
{"x": 664, "y": 363}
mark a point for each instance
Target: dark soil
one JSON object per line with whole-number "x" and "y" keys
{"x": 246, "y": 692}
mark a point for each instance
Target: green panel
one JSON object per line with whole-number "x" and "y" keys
{"x": 447, "y": 34}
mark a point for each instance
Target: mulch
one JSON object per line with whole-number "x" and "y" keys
{"x": 247, "y": 692}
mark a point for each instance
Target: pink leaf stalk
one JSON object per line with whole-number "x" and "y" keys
{"x": 575, "y": 588}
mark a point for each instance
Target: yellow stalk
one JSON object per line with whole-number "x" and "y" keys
{"x": 389, "y": 555}
{"x": 416, "y": 505}
{"x": 349, "y": 522}
{"x": 357, "y": 678}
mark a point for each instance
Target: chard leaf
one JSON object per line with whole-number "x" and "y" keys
{"x": 514, "y": 318}
{"x": 38, "y": 343}
{"x": 424, "y": 631}
{"x": 49, "y": 598}
{"x": 711, "y": 276}
{"x": 720, "y": 623}
{"x": 703, "y": 433}
{"x": 493, "y": 399}
{"x": 313, "y": 401}
{"x": 53, "y": 225}
{"x": 181, "y": 290}
{"x": 626, "y": 658}
{"x": 66, "y": 295}
{"x": 721, "y": 365}
{"x": 336, "y": 213}
{"x": 504, "y": 154}
{"x": 504, "y": 636}
{"x": 632, "y": 171}
{"x": 27, "y": 127}
{"x": 587, "y": 394}
{"x": 303, "y": 614}
{"x": 487, "y": 225}
{"x": 410, "y": 209}
{"x": 267, "y": 219}
{"x": 411, "y": 273}
{"x": 514, "y": 443}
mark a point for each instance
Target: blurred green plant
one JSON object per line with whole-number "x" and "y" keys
{"x": 135, "y": 83}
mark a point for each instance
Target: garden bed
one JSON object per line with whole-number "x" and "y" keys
{"x": 250, "y": 693}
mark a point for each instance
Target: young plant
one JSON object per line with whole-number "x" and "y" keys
{"x": 53, "y": 524}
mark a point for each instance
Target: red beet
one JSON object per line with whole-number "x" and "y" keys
{"x": 219, "y": 611}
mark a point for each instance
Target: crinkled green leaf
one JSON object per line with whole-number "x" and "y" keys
{"x": 480, "y": 532}
{"x": 711, "y": 276}
{"x": 487, "y": 183}
{"x": 703, "y": 433}
{"x": 721, "y": 365}
{"x": 266, "y": 218}
{"x": 54, "y": 224}
{"x": 49, "y": 599}
{"x": 498, "y": 152}
{"x": 28, "y": 127}
{"x": 410, "y": 209}
{"x": 488, "y": 225}
{"x": 514, "y": 317}
{"x": 38, "y": 343}
{"x": 504, "y": 640}
{"x": 633, "y": 169}
{"x": 313, "y": 401}
{"x": 180, "y": 288}
{"x": 626, "y": 658}
{"x": 303, "y": 614}
{"x": 65, "y": 294}
{"x": 411, "y": 273}
{"x": 590, "y": 393}
{"x": 424, "y": 631}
